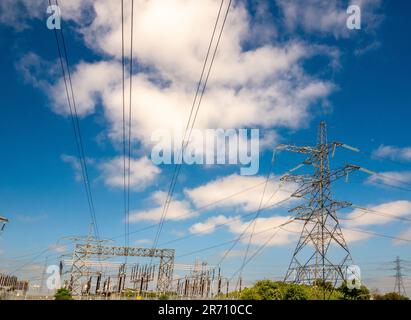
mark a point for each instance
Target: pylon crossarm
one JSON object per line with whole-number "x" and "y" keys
{"x": 301, "y": 211}
{"x": 301, "y": 179}
{"x": 293, "y": 148}
{"x": 342, "y": 172}
{"x": 337, "y": 205}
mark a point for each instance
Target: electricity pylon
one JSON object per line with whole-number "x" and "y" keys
{"x": 321, "y": 253}
{"x": 399, "y": 282}
{"x": 3, "y": 222}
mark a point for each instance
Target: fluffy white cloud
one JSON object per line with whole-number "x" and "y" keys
{"x": 352, "y": 235}
{"x": 406, "y": 235}
{"x": 393, "y": 178}
{"x": 393, "y": 153}
{"x": 142, "y": 172}
{"x": 235, "y": 185}
{"x": 178, "y": 210}
{"x": 58, "y": 248}
{"x": 75, "y": 164}
{"x": 209, "y": 225}
{"x": 383, "y": 214}
{"x": 264, "y": 86}
{"x": 263, "y": 228}
{"x": 351, "y": 225}
{"x": 143, "y": 242}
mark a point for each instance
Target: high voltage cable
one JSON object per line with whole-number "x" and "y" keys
{"x": 385, "y": 214}
{"x": 242, "y": 234}
{"x": 188, "y": 214}
{"x": 245, "y": 263}
{"x": 123, "y": 123}
{"x": 178, "y": 166}
{"x": 384, "y": 176}
{"x": 218, "y": 225}
{"x": 281, "y": 227}
{"x": 130, "y": 123}
{"x": 127, "y": 152}
{"x": 95, "y": 225}
{"x": 76, "y": 126}
{"x": 386, "y": 159}
{"x": 259, "y": 210}
{"x": 235, "y": 243}
{"x": 236, "y": 239}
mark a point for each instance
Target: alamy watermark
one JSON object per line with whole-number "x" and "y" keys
{"x": 353, "y": 277}
{"x": 54, "y": 280}
{"x": 208, "y": 147}
{"x": 353, "y": 21}
{"x": 54, "y": 20}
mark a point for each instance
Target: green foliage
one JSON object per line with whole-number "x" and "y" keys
{"x": 354, "y": 294}
{"x": 163, "y": 296}
{"x": 325, "y": 285}
{"x": 264, "y": 290}
{"x": 63, "y": 294}
{"x": 295, "y": 292}
{"x": 271, "y": 290}
{"x": 390, "y": 296}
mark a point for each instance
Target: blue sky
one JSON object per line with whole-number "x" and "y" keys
{"x": 357, "y": 81}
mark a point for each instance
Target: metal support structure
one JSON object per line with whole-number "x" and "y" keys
{"x": 84, "y": 251}
{"x": 3, "y": 222}
{"x": 321, "y": 253}
{"x": 399, "y": 282}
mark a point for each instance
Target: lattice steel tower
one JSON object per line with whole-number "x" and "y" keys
{"x": 399, "y": 282}
{"x": 321, "y": 252}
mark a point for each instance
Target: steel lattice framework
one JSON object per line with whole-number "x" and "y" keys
{"x": 84, "y": 251}
{"x": 399, "y": 282}
{"x": 3, "y": 222}
{"x": 321, "y": 252}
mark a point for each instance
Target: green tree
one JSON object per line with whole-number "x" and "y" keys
{"x": 390, "y": 296}
{"x": 163, "y": 296}
{"x": 295, "y": 292}
{"x": 264, "y": 290}
{"x": 354, "y": 294}
{"x": 325, "y": 285}
{"x": 63, "y": 294}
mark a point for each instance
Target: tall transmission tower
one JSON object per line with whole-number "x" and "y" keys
{"x": 3, "y": 222}
{"x": 321, "y": 253}
{"x": 399, "y": 282}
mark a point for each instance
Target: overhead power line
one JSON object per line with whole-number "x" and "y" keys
{"x": 75, "y": 123}
{"x": 177, "y": 167}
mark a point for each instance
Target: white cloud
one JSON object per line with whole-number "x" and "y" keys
{"x": 393, "y": 153}
{"x": 209, "y": 225}
{"x": 178, "y": 210}
{"x": 143, "y": 241}
{"x": 393, "y": 178}
{"x": 352, "y": 235}
{"x": 265, "y": 86}
{"x": 384, "y": 213}
{"x": 233, "y": 253}
{"x": 247, "y": 201}
{"x": 58, "y": 248}
{"x": 262, "y": 231}
{"x": 406, "y": 235}
{"x": 142, "y": 172}
{"x": 75, "y": 164}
